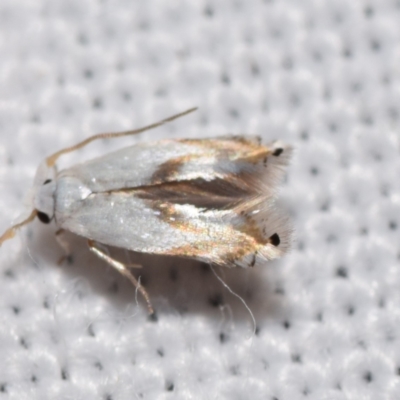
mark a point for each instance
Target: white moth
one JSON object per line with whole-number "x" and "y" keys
{"x": 207, "y": 199}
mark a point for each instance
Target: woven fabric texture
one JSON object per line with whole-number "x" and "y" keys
{"x": 323, "y": 76}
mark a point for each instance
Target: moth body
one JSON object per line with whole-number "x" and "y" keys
{"x": 208, "y": 199}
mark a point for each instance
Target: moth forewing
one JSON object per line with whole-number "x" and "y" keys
{"x": 208, "y": 199}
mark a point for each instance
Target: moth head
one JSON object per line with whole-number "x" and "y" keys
{"x": 44, "y": 186}
{"x": 41, "y": 199}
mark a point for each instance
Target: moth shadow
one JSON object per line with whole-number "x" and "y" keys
{"x": 174, "y": 285}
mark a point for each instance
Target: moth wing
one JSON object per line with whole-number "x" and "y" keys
{"x": 221, "y": 237}
{"x": 240, "y": 157}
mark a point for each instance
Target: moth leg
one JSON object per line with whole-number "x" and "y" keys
{"x": 123, "y": 269}
{"x": 64, "y": 244}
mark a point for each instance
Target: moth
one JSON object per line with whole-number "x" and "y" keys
{"x": 209, "y": 199}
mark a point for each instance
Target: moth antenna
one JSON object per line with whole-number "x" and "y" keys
{"x": 51, "y": 160}
{"x": 10, "y": 232}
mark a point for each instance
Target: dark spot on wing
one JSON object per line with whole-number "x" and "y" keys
{"x": 275, "y": 240}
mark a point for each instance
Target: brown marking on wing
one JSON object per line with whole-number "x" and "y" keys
{"x": 170, "y": 215}
{"x": 225, "y": 149}
{"x": 216, "y": 194}
{"x": 251, "y": 228}
{"x": 227, "y": 245}
{"x": 224, "y": 142}
{"x": 232, "y": 148}
{"x": 224, "y": 251}
{"x": 169, "y": 170}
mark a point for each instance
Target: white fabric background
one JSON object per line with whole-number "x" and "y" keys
{"x": 320, "y": 75}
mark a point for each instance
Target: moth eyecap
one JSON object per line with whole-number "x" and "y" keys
{"x": 277, "y": 152}
{"x": 43, "y": 217}
{"x": 275, "y": 240}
